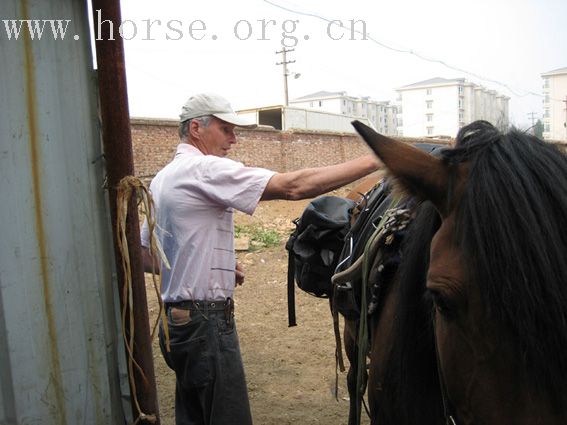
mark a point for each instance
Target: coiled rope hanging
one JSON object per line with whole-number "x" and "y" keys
{"x": 127, "y": 186}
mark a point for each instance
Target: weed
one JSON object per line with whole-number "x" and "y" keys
{"x": 260, "y": 236}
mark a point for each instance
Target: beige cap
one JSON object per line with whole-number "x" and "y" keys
{"x": 203, "y": 104}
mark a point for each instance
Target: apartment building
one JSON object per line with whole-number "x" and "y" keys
{"x": 381, "y": 114}
{"x": 555, "y": 104}
{"x": 440, "y": 107}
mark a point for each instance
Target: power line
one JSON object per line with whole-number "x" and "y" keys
{"x": 410, "y": 52}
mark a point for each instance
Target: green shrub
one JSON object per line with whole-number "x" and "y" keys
{"x": 259, "y": 235}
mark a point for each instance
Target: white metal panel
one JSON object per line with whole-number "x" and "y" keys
{"x": 59, "y": 348}
{"x": 295, "y": 118}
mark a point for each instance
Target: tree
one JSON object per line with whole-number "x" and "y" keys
{"x": 538, "y": 129}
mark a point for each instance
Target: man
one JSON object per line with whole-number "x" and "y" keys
{"x": 195, "y": 195}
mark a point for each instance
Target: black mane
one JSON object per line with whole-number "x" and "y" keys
{"x": 411, "y": 382}
{"x": 512, "y": 227}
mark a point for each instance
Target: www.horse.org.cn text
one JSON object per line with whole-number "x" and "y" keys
{"x": 288, "y": 32}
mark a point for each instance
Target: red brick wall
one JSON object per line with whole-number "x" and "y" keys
{"x": 154, "y": 143}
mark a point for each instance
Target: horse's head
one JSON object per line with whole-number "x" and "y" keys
{"x": 497, "y": 274}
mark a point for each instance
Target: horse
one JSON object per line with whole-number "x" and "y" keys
{"x": 492, "y": 273}
{"x": 403, "y": 379}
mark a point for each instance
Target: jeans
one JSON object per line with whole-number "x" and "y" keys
{"x": 205, "y": 355}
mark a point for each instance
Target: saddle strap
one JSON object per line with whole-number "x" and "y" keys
{"x": 291, "y": 291}
{"x": 339, "y": 361}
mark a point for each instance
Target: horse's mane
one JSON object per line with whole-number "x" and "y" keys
{"x": 411, "y": 381}
{"x": 512, "y": 228}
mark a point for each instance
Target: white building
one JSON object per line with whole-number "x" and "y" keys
{"x": 440, "y": 107}
{"x": 382, "y": 115}
{"x": 294, "y": 118}
{"x": 555, "y": 104}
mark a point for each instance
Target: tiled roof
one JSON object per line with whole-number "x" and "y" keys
{"x": 434, "y": 81}
{"x": 320, "y": 94}
{"x": 556, "y": 71}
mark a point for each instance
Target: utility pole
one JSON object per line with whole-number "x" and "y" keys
{"x": 532, "y": 116}
{"x": 284, "y": 62}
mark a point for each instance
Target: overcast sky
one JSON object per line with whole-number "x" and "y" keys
{"x": 229, "y": 47}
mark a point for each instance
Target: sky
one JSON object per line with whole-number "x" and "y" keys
{"x": 175, "y": 48}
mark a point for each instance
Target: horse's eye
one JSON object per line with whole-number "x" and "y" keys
{"x": 442, "y": 305}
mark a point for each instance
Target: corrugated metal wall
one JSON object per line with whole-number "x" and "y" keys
{"x": 296, "y": 118}
{"x": 59, "y": 345}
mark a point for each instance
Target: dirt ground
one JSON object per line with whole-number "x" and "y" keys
{"x": 290, "y": 371}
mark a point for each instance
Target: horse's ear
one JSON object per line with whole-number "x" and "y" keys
{"x": 420, "y": 174}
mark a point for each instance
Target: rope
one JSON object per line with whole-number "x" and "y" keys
{"x": 128, "y": 186}
{"x": 363, "y": 342}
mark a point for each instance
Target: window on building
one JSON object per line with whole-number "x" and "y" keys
{"x": 546, "y": 83}
{"x": 429, "y": 117}
{"x": 429, "y": 104}
{"x": 430, "y": 131}
{"x": 344, "y": 102}
{"x": 461, "y": 103}
{"x": 311, "y": 104}
{"x": 461, "y": 117}
{"x": 547, "y": 127}
{"x": 546, "y": 113}
{"x": 320, "y": 103}
{"x": 428, "y": 92}
{"x": 461, "y": 90}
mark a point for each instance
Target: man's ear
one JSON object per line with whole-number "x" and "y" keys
{"x": 194, "y": 127}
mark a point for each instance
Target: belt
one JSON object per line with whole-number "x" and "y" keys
{"x": 201, "y": 304}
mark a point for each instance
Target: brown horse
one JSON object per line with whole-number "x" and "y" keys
{"x": 496, "y": 275}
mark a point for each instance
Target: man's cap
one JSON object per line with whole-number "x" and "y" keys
{"x": 203, "y": 104}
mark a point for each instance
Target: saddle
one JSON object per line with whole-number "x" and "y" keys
{"x": 369, "y": 212}
{"x": 377, "y": 208}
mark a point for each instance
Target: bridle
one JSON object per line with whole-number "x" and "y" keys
{"x": 448, "y": 411}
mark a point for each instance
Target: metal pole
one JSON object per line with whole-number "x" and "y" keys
{"x": 285, "y": 77}
{"x": 117, "y": 144}
{"x": 285, "y": 71}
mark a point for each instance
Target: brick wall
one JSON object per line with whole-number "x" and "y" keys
{"x": 154, "y": 143}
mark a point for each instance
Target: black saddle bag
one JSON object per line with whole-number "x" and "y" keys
{"x": 314, "y": 247}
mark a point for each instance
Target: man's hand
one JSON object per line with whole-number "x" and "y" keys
{"x": 151, "y": 263}
{"x": 239, "y": 272}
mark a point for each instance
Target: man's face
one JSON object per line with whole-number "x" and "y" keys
{"x": 217, "y": 138}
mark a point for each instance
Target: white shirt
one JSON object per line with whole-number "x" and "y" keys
{"x": 194, "y": 196}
